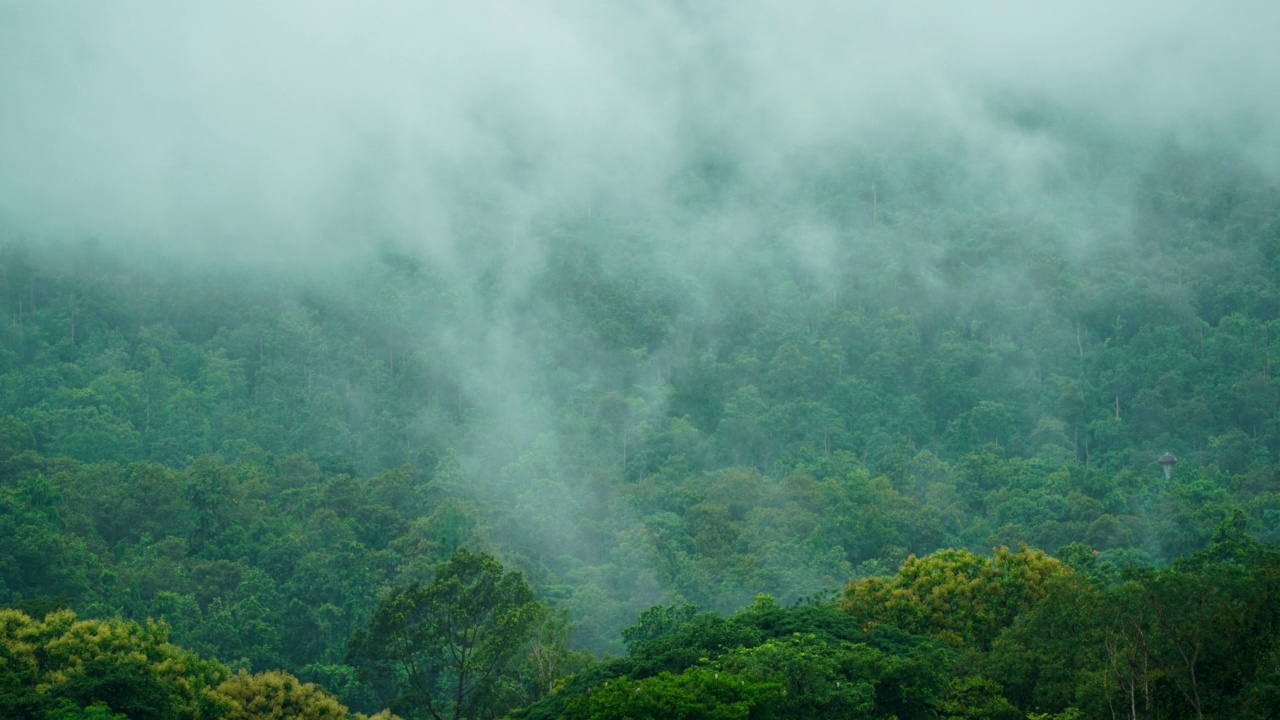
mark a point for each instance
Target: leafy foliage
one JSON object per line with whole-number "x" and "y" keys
{"x": 64, "y": 667}
{"x": 446, "y": 645}
{"x": 261, "y": 460}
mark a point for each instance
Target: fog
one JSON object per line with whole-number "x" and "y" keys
{"x": 316, "y": 129}
{"x": 300, "y": 138}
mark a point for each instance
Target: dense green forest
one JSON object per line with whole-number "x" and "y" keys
{"x": 256, "y": 460}
{"x": 615, "y": 360}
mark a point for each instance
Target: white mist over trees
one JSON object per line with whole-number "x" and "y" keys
{"x": 658, "y": 302}
{"x": 318, "y": 127}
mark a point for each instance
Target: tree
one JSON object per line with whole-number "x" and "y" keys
{"x": 696, "y": 694}
{"x": 439, "y": 645}
{"x": 975, "y": 697}
{"x": 547, "y": 651}
{"x": 15, "y": 437}
{"x": 276, "y": 695}
{"x": 955, "y": 595}
{"x": 64, "y": 667}
{"x": 657, "y": 622}
{"x": 819, "y": 678}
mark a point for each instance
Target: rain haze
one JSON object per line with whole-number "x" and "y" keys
{"x": 701, "y": 165}
{"x": 313, "y": 130}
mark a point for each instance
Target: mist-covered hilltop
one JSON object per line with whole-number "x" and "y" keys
{"x": 658, "y": 303}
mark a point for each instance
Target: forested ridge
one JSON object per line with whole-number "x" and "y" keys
{"x": 804, "y": 475}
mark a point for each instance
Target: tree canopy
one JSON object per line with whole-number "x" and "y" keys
{"x": 446, "y": 646}
{"x": 926, "y": 419}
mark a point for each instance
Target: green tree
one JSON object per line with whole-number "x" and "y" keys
{"x": 15, "y": 437}
{"x": 977, "y": 698}
{"x": 441, "y": 644}
{"x": 657, "y": 622}
{"x": 547, "y": 649}
{"x": 820, "y": 678}
{"x": 696, "y": 694}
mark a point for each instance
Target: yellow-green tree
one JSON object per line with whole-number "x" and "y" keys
{"x": 954, "y": 595}
{"x": 276, "y": 695}
{"x": 64, "y": 667}
{"x": 130, "y": 668}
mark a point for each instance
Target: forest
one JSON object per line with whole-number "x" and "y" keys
{"x": 727, "y": 404}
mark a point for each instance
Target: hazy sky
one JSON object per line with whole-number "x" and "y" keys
{"x": 322, "y": 125}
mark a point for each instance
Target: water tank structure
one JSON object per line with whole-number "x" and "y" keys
{"x": 1167, "y": 460}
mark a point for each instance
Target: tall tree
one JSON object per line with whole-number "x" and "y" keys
{"x": 440, "y": 644}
